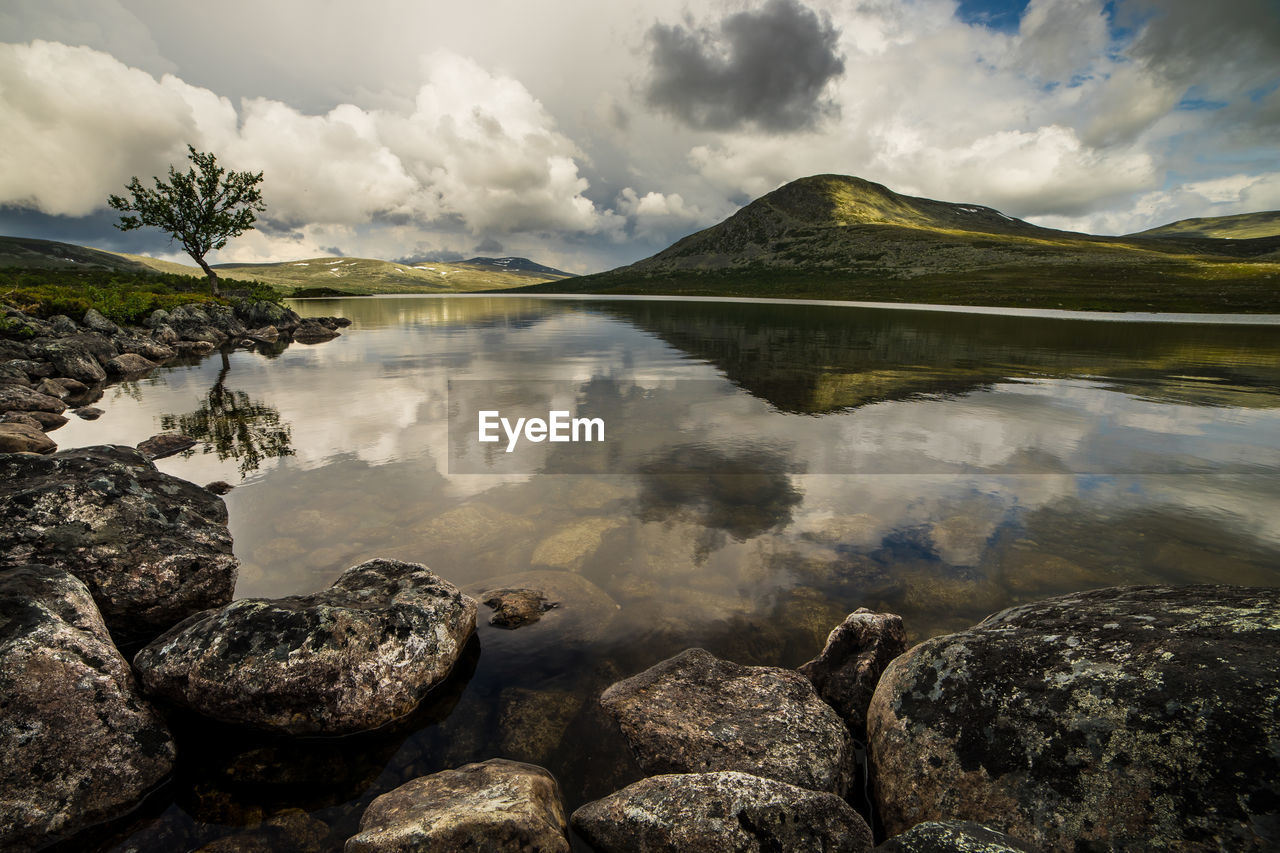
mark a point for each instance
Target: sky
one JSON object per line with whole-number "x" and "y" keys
{"x": 586, "y": 135}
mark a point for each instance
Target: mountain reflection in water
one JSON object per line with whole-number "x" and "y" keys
{"x": 769, "y": 469}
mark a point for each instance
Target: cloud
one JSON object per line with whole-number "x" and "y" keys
{"x": 475, "y": 152}
{"x": 767, "y": 69}
{"x": 489, "y": 246}
{"x": 656, "y": 214}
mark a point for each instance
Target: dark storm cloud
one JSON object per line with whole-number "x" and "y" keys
{"x": 96, "y": 230}
{"x": 766, "y": 68}
{"x": 489, "y": 246}
{"x": 1231, "y": 46}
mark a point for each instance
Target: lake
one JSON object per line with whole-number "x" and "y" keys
{"x": 767, "y": 467}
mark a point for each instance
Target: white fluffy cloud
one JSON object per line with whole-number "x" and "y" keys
{"x": 476, "y": 149}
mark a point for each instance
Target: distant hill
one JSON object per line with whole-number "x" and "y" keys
{"x": 522, "y": 264}
{"x": 351, "y": 275}
{"x": 841, "y": 237}
{"x": 1243, "y": 226}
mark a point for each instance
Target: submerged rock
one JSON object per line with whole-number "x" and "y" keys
{"x": 312, "y": 331}
{"x": 1123, "y": 718}
{"x": 495, "y": 806}
{"x": 953, "y": 836}
{"x": 582, "y": 611}
{"x": 165, "y": 444}
{"x": 713, "y": 812}
{"x": 152, "y": 548}
{"x": 857, "y": 651}
{"x": 515, "y": 607}
{"x": 78, "y": 745}
{"x": 695, "y": 712}
{"x": 354, "y": 657}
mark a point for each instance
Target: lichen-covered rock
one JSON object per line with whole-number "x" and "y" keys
{"x": 857, "y": 651}
{"x": 713, "y": 812}
{"x": 256, "y": 315}
{"x": 129, "y": 363}
{"x": 165, "y": 444}
{"x": 78, "y": 745}
{"x": 24, "y": 438}
{"x": 1125, "y": 718}
{"x": 79, "y": 356}
{"x": 356, "y": 656}
{"x": 953, "y": 836}
{"x": 495, "y": 806}
{"x": 152, "y": 548}
{"x": 694, "y": 713}
{"x": 312, "y": 331}
{"x": 15, "y": 398}
{"x": 94, "y": 321}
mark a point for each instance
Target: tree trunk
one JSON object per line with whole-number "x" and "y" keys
{"x": 213, "y": 276}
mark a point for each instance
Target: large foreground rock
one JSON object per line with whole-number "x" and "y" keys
{"x": 152, "y": 548}
{"x": 713, "y": 812}
{"x": 857, "y": 651}
{"x": 1131, "y": 718}
{"x": 24, "y": 438}
{"x": 78, "y": 745}
{"x": 357, "y": 656}
{"x": 694, "y": 713}
{"x": 494, "y": 806}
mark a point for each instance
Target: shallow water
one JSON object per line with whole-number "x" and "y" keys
{"x": 768, "y": 468}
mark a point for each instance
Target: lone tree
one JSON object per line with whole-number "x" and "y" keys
{"x": 202, "y": 209}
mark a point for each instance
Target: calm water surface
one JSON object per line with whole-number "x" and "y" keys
{"x": 940, "y": 465}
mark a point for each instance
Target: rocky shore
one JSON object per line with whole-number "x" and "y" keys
{"x": 1128, "y": 718}
{"x": 53, "y": 367}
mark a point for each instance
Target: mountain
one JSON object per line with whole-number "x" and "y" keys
{"x": 1243, "y": 226}
{"x": 349, "y": 275}
{"x": 841, "y": 237}
{"x": 521, "y": 264}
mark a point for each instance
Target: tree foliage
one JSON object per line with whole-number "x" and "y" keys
{"x": 201, "y": 208}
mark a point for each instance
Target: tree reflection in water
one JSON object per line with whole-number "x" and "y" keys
{"x": 234, "y": 426}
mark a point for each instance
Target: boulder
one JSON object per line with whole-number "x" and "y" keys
{"x": 149, "y": 348}
{"x": 255, "y": 315}
{"x": 165, "y": 444}
{"x": 89, "y": 413}
{"x": 191, "y": 348}
{"x": 515, "y": 607}
{"x": 152, "y": 549}
{"x": 857, "y": 651}
{"x": 312, "y": 331}
{"x": 76, "y": 356}
{"x": 129, "y": 363}
{"x": 23, "y": 438}
{"x": 95, "y": 322}
{"x": 1122, "y": 718}
{"x": 263, "y": 335}
{"x": 48, "y": 421}
{"x": 61, "y": 324}
{"x": 15, "y": 398}
{"x": 21, "y": 418}
{"x": 953, "y": 836}
{"x": 694, "y": 713}
{"x": 726, "y": 810}
{"x": 354, "y": 657}
{"x": 78, "y": 745}
{"x": 63, "y": 387}
{"x": 35, "y": 370}
{"x": 193, "y": 322}
{"x": 497, "y": 806}
{"x": 219, "y": 487}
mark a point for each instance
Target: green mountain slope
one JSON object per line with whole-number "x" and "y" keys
{"x": 1243, "y": 226}
{"x": 350, "y": 275}
{"x": 840, "y": 237}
